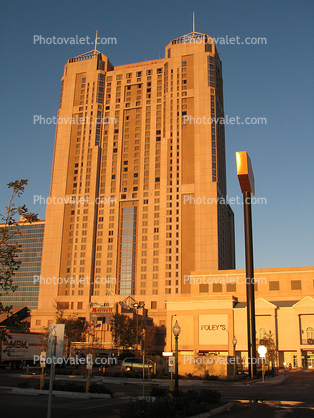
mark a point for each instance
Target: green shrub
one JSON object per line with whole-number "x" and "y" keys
{"x": 157, "y": 391}
{"x": 24, "y": 385}
{"x": 180, "y": 405}
{"x": 68, "y": 386}
{"x": 211, "y": 377}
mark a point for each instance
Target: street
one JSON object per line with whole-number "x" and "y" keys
{"x": 292, "y": 398}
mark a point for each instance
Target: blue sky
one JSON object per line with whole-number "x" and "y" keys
{"x": 272, "y": 81}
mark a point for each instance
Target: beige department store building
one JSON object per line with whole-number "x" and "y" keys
{"x": 215, "y": 312}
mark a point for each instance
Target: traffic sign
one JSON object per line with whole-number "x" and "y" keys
{"x": 172, "y": 360}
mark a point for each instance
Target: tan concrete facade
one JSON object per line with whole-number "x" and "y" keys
{"x": 131, "y": 164}
{"x": 134, "y": 160}
{"x": 215, "y": 312}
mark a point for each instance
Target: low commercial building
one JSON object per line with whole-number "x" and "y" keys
{"x": 215, "y": 312}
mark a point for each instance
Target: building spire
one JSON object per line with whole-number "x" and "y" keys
{"x": 95, "y": 50}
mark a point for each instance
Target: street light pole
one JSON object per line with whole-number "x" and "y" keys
{"x": 234, "y": 342}
{"x": 176, "y": 331}
{"x": 246, "y": 180}
{"x": 137, "y": 306}
{"x": 137, "y": 330}
{"x": 170, "y": 333}
{"x": 171, "y": 341}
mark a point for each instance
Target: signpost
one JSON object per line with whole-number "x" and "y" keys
{"x": 42, "y": 365}
{"x": 89, "y": 366}
{"x": 55, "y": 351}
{"x": 171, "y": 366}
{"x": 172, "y": 360}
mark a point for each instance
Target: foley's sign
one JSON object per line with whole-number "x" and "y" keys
{"x": 212, "y": 329}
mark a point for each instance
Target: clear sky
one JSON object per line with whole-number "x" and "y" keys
{"x": 273, "y": 80}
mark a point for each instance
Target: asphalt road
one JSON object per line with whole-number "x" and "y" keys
{"x": 293, "y": 398}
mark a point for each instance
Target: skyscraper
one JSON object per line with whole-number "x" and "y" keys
{"x": 138, "y": 171}
{"x": 30, "y": 238}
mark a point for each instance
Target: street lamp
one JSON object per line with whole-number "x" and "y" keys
{"x": 171, "y": 335}
{"x": 137, "y": 306}
{"x": 246, "y": 180}
{"x": 176, "y": 331}
{"x": 262, "y": 350}
{"x": 234, "y": 342}
{"x": 171, "y": 341}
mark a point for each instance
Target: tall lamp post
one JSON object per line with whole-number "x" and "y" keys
{"x": 137, "y": 306}
{"x": 176, "y": 331}
{"x": 171, "y": 340}
{"x": 171, "y": 335}
{"x": 246, "y": 180}
{"x": 262, "y": 350}
{"x": 234, "y": 342}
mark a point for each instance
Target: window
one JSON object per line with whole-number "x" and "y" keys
{"x": 153, "y": 304}
{"x": 183, "y": 63}
{"x": 310, "y": 334}
{"x": 217, "y": 287}
{"x": 203, "y": 288}
{"x": 231, "y": 287}
{"x": 274, "y": 285}
{"x": 38, "y": 321}
{"x": 295, "y": 284}
{"x": 79, "y": 305}
{"x": 62, "y": 305}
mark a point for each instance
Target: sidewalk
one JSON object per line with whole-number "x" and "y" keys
{"x": 58, "y": 393}
{"x": 269, "y": 381}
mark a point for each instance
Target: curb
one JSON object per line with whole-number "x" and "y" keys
{"x": 164, "y": 382}
{"x": 214, "y": 411}
{"x": 58, "y": 393}
{"x": 271, "y": 383}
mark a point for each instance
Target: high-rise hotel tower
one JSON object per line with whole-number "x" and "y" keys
{"x": 137, "y": 171}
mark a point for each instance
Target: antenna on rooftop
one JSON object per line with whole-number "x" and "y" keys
{"x": 95, "y": 50}
{"x": 193, "y": 25}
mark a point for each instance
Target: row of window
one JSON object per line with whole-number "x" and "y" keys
{"x": 232, "y": 287}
